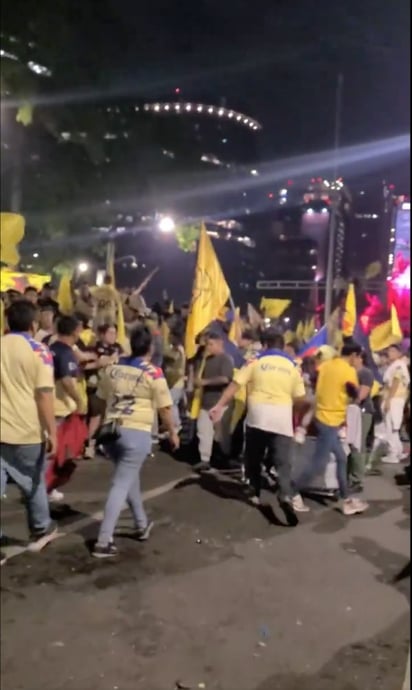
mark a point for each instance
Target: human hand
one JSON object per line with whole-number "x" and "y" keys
{"x": 51, "y": 444}
{"x": 216, "y": 413}
{"x": 174, "y": 440}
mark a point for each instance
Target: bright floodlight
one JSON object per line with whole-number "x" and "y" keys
{"x": 166, "y": 224}
{"x": 83, "y": 267}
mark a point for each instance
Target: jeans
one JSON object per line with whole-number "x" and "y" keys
{"x": 128, "y": 455}
{"x": 177, "y": 396}
{"x": 279, "y": 450}
{"x": 26, "y": 465}
{"x": 357, "y": 458}
{"x": 327, "y": 442}
{"x": 208, "y": 432}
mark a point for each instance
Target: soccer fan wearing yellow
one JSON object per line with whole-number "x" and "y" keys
{"x": 337, "y": 384}
{"x": 273, "y": 383}
{"x": 132, "y": 393}
{"x": 27, "y": 417}
{"x": 106, "y": 303}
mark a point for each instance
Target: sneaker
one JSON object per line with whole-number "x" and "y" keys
{"x": 108, "y": 551}
{"x": 255, "y": 501}
{"x": 287, "y": 506}
{"x": 3, "y": 558}
{"x": 202, "y": 466}
{"x": 39, "y": 540}
{"x": 56, "y": 496}
{"x": 89, "y": 451}
{"x": 298, "y": 504}
{"x": 389, "y": 460}
{"x": 353, "y": 506}
{"x": 300, "y": 435}
{"x": 143, "y": 534}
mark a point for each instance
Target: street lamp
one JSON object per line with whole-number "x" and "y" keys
{"x": 83, "y": 267}
{"x": 166, "y": 224}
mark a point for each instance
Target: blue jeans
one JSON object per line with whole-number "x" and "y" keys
{"x": 128, "y": 455}
{"x": 177, "y": 395}
{"x": 26, "y": 465}
{"x": 327, "y": 442}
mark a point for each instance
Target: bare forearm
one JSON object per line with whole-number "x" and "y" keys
{"x": 229, "y": 393}
{"x": 167, "y": 419}
{"x": 72, "y": 391}
{"x": 45, "y": 408}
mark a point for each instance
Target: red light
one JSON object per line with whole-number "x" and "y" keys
{"x": 319, "y": 179}
{"x": 391, "y": 187}
{"x": 270, "y": 195}
{"x": 177, "y": 91}
{"x": 289, "y": 182}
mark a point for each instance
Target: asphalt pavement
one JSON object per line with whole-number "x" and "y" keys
{"x": 224, "y": 596}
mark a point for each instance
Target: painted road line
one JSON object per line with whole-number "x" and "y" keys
{"x": 14, "y": 551}
{"x": 407, "y": 682}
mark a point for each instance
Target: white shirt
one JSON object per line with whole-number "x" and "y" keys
{"x": 277, "y": 419}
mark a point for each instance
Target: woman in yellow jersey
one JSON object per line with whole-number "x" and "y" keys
{"x": 132, "y": 392}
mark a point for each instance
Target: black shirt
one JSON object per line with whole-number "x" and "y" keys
{"x": 365, "y": 378}
{"x": 64, "y": 361}
{"x": 215, "y": 366}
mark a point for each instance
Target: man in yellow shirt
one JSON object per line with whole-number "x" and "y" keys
{"x": 132, "y": 392}
{"x": 336, "y": 386}
{"x": 273, "y": 383}
{"x": 27, "y": 417}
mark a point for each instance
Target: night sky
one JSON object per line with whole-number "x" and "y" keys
{"x": 276, "y": 59}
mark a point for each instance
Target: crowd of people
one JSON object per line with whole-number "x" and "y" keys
{"x": 69, "y": 379}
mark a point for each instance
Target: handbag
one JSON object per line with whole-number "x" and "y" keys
{"x": 109, "y": 432}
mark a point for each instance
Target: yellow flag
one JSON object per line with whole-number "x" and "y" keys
{"x": 12, "y": 280}
{"x": 235, "y": 332}
{"x": 395, "y": 325}
{"x": 11, "y": 233}
{"x": 2, "y": 317}
{"x": 274, "y": 307}
{"x": 25, "y": 114}
{"x": 349, "y": 316}
{"x": 110, "y": 262}
{"x": 382, "y": 337}
{"x": 300, "y": 329}
{"x": 64, "y": 295}
{"x": 121, "y": 328}
{"x": 197, "y": 397}
{"x": 289, "y": 337}
{"x": 373, "y": 270}
{"x": 171, "y": 307}
{"x": 210, "y": 292}
{"x": 309, "y": 329}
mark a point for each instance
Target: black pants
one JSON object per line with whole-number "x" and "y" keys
{"x": 278, "y": 450}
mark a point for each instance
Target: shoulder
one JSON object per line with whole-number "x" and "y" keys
{"x": 40, "y": 350}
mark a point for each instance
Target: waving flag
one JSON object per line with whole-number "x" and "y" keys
{"x": 311, "y": 348}
{"x": 349, "y": 316}
{"x": 210, "y": 292}
{"x": 64, "y": 295}
{"x": 274, "y": 308}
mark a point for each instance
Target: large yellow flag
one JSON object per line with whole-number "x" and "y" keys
{"x": 11, "y": 234}
{"x": 309, "y": 329}
{"x": 235, "y": 332}
{"x": 110, "y": 262}
{"x": 121, "y": 328}
{"x": 349, "y": 316}
{"x": 64, "y": 295}
{"x": 382, "y": 336}
{"x": 300, "y": 330}
{"x": 274, "y": 307}
{"x": 210, "y": 292}
{"x": 395, "y": 325}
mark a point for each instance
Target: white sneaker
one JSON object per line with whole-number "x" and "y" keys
{"x": 353, "y": 506}
{"x": 389, "y": 460}
{"x": 300, "y": 435}
{"x": 298, "y": 504}
{"x": 56, "y": 496}
{"x": 89, "y": 451}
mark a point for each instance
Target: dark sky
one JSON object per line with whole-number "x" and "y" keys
{"x": 276, "y": 59}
